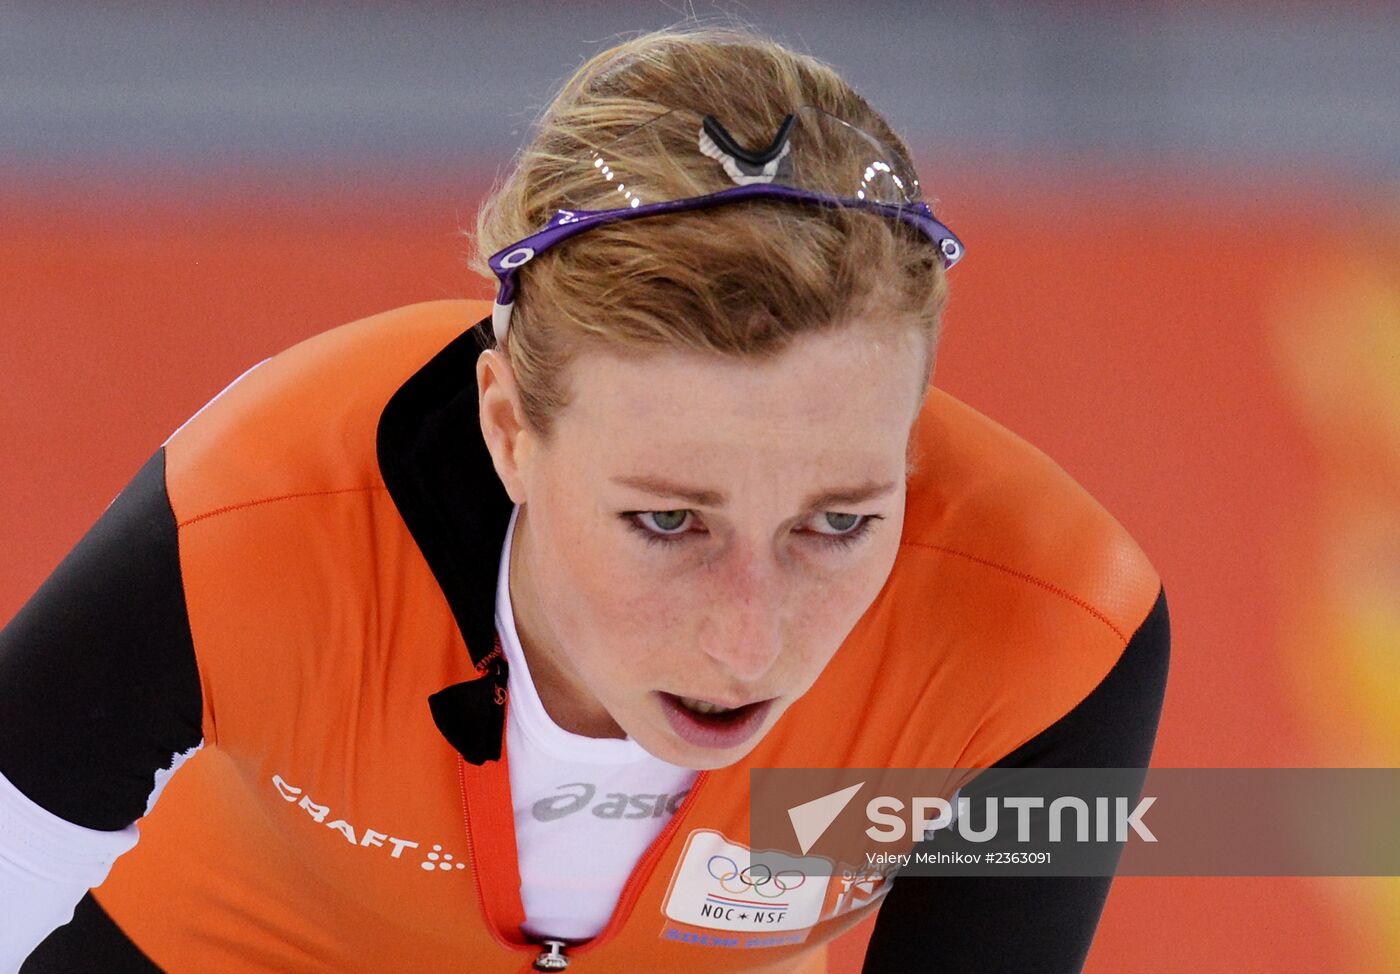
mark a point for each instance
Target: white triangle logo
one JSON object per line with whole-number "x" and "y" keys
{"x": 811, "y": 819}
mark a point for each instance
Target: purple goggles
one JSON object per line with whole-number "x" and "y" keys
{"x": 878, "y": 180}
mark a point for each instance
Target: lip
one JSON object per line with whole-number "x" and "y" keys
{"x": 709, "y": 732}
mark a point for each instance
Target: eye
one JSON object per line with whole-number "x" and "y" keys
{"x": 850, "y": 528}
{"x": 667, "y": 527}
{"x": 848, "y": 521}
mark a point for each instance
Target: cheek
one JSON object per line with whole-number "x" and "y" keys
{"x": 602, "y": 602}
{"x": 834, "y": 607}
{"x": 636, "y": 623}
{"x": 824, "y": 620}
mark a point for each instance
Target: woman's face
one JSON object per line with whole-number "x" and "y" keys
{"x": 703, "y": 528}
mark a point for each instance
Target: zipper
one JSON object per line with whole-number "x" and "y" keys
{"x": 476, "y": 867}
{"x": 552, "y": 956}
{"x": 642, "y": 872}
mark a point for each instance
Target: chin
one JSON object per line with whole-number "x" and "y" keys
{"x": 697, "y": 758}
{"x": 712, "y": 761}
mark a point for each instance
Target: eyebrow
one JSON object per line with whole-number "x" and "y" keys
{"x": 714, "y": 498}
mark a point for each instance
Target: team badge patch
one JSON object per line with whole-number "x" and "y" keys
{"x": 717, "y": 887}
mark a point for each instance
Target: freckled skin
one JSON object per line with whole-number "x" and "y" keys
{"x": 749, "y": 603}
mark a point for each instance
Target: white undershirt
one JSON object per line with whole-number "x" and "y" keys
{"x": 586, "y": 808}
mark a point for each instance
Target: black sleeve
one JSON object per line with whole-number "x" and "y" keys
{"x": 1033, "y": 924}
{"x": 98, "y": 682}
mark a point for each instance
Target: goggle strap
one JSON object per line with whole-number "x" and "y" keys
{"x": 500, "y": 321}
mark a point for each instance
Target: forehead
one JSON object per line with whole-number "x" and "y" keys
{"x": 851, "y": 391}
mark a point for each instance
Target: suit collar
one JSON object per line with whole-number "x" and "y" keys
{"x": 440, "y": 476}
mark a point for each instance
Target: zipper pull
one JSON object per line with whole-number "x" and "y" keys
{"x": 552, "y": 959}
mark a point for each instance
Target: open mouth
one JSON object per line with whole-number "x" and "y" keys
{"x": 707, "y": 708}
{"x": 707, "y": 724}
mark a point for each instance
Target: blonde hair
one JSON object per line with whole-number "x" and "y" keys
{"x": 743, "y": 279}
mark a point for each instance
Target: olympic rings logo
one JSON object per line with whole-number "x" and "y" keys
{"x": 759, "y": 879}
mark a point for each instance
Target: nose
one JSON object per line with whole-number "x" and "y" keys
{"x": 746, "y": 633}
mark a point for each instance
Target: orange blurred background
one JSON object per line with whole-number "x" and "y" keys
{"x": 1218, "y": 363}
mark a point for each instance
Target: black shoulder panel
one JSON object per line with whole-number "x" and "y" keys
{"x": 1116, "y": 725}
{"x": 99, "y": 687}
{"x": 91, "y": 941}
{"x": 1033, "y": 924}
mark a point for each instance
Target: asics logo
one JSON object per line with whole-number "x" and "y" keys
{"x": 615, "y": 804}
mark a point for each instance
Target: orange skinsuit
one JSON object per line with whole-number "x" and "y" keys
{"x": 299, "y": 838}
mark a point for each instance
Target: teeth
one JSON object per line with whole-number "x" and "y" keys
{"x": 701, "y": 707}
